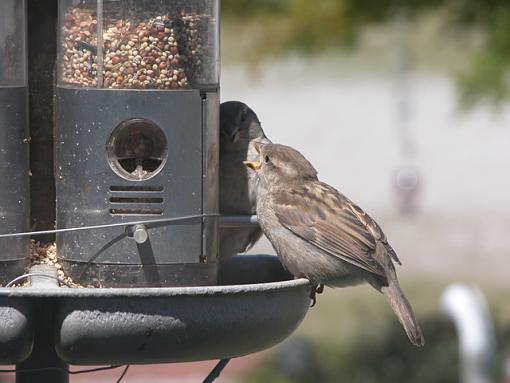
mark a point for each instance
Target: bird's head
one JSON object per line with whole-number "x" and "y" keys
{"x": 238, "y": 126}
{"x": 279, "y": 165}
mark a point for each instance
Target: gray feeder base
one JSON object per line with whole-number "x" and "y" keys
{"x": 257, "y": 306}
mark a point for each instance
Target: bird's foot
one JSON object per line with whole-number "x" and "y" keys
{"x": 313, "y": 292}
{"x": 316, "y": 289}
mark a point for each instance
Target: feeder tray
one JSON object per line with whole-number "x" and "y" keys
{"x": 257, "y": 305}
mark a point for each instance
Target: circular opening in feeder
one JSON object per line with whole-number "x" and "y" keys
{"x": 137, "y": 149}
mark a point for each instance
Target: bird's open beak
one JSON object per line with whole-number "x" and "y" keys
{"x": 255, "y": 165}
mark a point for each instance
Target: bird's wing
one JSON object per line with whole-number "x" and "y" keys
{"x": 328, "y": 220}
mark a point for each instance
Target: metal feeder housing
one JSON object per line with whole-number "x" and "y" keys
{"x": 14, "y": 154}
{"x": 137, "y": 139}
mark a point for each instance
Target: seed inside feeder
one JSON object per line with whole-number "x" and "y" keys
{"x": 162, "y": 52}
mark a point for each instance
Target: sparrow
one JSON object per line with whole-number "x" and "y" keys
{"x": 320, "y": 234}
{"x": 239, "y": 128}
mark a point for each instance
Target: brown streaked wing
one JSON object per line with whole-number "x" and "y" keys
{"x": 321, "y": 215}
{"x": 372, "y": 226}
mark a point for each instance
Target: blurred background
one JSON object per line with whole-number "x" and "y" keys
{"x": 404, "y": 107}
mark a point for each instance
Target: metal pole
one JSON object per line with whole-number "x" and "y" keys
{"x": 43, "y": 365}
{"x": 42, "y": 52}
{"x": 43, "y": 355}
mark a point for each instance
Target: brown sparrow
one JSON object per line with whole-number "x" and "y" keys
{"x": 320, "y": 234}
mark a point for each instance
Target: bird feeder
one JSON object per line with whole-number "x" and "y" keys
{"x": 136, "y": 172}
{"x": 14, "y": 156}
{"x": 137, "y": 139}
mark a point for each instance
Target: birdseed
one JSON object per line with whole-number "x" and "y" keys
{"x": 46, "y": 253}
{"x": 162, "y": 52}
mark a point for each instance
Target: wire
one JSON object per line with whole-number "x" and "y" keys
{"x": 67, "y": 229}
{"x": 123, "y": 374}
{"x": 112, "y": 367}
{"x": 77, "y": 372}
{"x": 216, "y": 371}
{"x": 28, "y": 275}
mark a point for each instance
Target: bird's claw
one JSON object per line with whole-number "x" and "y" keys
{"x": 316, "y": 289}
{"x": 312, "y": 297}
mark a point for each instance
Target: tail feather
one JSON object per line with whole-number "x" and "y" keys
{"x": 404, "y": 312}
{"x": 390, "y": 288}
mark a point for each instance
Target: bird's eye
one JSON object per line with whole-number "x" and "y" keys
{"x": 266, "y": 159}
{"x": 244, "y": 116}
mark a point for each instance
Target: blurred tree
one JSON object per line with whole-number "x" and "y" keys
{"x": 489, "y": 72}
{"x": 250, "y": 8}
{"x": 309, "y": 26}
